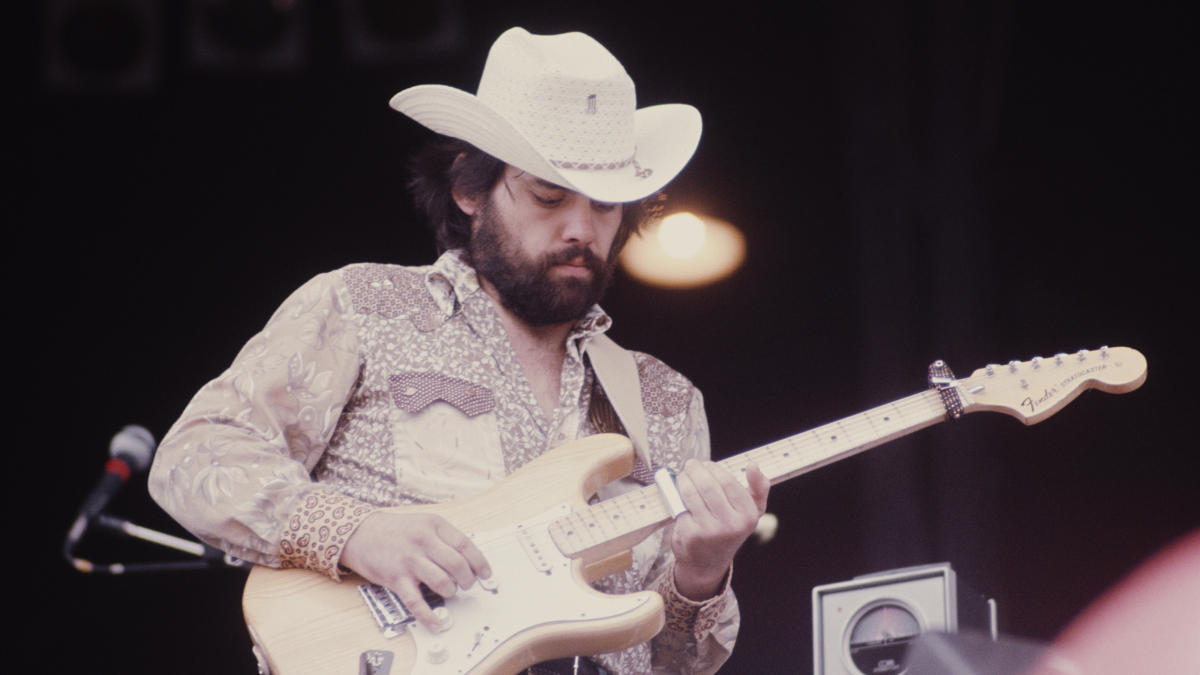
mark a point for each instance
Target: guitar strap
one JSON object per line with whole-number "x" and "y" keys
{"x": 618, "y": 374}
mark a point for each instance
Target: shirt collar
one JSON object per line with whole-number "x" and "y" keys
{"x": 451, "y": 281}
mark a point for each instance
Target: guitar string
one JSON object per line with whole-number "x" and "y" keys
{"x": 781, "y": 458}
{"x": 807, "y": 447}
{"x": 778, "y": 459}
{"x": 806, "y": 444}
{"x": 796, "y": 452}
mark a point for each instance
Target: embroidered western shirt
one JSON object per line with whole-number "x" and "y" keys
{"x": 379, "y": 385}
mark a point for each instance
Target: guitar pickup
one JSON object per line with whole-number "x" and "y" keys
{"x": 532, "y": 547}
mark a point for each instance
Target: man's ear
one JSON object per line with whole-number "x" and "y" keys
{"x": 467, "y": 204}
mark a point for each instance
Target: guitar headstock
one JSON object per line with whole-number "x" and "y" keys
{"x": 1033, "y": 390}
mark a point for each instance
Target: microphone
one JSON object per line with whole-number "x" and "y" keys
{"x": 131, "y": 450}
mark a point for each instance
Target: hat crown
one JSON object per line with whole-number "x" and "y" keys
{"x": 566, "y": 94}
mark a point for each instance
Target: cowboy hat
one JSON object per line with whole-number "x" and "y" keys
{"x": 562, "y": 108}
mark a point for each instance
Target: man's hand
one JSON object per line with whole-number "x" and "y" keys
{"x": 402, "y": 550}
{"x": 721, "y": 514}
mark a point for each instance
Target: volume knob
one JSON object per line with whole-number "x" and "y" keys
{"x": 438, "y": 653}
{"x": 444, "y": 619}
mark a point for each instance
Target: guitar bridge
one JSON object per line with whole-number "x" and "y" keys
{"x": 391, "y": 614}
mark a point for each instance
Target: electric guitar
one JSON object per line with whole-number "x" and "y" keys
{"x": 545, "y": 543}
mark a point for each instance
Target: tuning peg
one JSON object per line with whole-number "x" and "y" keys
{"x": 1012, "y": 366}
{"x": 1104, "y": 352}
{"x": 1037, "y": 362}
{"x": 1083, "y": 355}
{"x": 1058, "y": 358}
{"x": 991, "y": 369}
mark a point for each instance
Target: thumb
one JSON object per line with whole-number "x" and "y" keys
{"x": 759, "y": 486}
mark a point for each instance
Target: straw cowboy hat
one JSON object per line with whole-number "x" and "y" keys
{"x": 562, "y": 108}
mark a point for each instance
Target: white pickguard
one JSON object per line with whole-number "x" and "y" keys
{"x": 524, "y": 597}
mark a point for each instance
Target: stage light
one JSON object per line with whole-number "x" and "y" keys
{"x": 684, "y": 251}
{"x": 681, "y": 235}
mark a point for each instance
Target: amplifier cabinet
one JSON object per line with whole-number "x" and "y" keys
{"x": 865, "y": 626}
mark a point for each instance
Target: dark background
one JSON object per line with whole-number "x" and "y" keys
{"x": 916, "y": 180}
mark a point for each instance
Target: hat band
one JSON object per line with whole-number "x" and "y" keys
{"x": 592, "y": 166}
{"x": 584, "y": 166}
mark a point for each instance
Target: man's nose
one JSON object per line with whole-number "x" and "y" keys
{"x": 579, "y": 224}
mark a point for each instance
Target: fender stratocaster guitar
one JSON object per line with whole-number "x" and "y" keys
{"x": 545, "y": 543}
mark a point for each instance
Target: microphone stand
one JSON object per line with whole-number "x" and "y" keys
{"x": 210, "y": 557}
{"x": 131, "y": 450}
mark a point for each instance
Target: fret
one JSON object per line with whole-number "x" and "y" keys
{"x": 885, "y": 420}
{"x": 812, "y": 449}
{"x": 608, "y": 520}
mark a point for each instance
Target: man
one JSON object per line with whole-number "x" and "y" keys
{"x": 379, "y": 385}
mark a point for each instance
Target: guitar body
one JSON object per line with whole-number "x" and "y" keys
{"x": 541, "y": 607}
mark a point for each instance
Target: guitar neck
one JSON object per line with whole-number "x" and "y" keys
{"x": 826, "y": 444}
{"x": 620, "y": 522}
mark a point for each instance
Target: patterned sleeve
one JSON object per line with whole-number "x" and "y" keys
{"x": 234, "y": 470}
{"x": 698, "y": 636}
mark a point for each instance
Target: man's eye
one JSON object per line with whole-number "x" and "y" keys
{"x": 604, "y": 207}
{"x": 546, "y": 201}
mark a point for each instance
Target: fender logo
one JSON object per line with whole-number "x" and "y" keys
{"x": 1034, "y": 403}
{"x": 1047, "y": 394}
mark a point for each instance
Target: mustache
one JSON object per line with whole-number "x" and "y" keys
{"x": 570, "y": 253}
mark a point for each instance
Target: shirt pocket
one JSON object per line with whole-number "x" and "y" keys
{"x": 446, "y": 440}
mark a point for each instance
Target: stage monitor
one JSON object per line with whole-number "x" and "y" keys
{"x": 865, "y": 626}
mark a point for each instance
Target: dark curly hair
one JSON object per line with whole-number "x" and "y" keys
{"x": 436, "y": 175}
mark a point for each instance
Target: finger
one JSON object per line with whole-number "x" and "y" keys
{"x": 411, "y": 596}
{"x": 703, "y": 495}
{"x": 737, "y": 497}
{"x": 433, "y": 575}
{"x": 724, "y": 498}
{"x": 466, "y": 548}
{"x": 454, "y": 552}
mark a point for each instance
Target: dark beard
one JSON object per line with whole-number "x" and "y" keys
{"x": 524, "y": 285}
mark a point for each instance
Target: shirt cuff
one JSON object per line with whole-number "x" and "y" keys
{"x": 316, "y": 533}
{"x": 688, "y": 616}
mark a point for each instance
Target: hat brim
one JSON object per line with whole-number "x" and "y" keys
{"x": 666, "y": 137}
